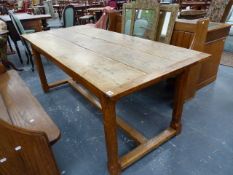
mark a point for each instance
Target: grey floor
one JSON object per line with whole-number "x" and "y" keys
{"x": 205, "y": 146}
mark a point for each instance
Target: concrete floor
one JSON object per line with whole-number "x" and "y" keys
{"x": 205, "y": 146}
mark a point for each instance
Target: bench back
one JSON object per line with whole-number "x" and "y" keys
{"x": 190, "y": 35}
{"x": 24, "y": 152}
{"x": 29, "y": 114}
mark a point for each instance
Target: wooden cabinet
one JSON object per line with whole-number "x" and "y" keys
{"x": 216, "y": 36}
{"x": 214, "y": 45}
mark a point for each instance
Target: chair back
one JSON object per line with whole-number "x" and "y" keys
{"x": 190, "y": 35}
{"x": 167, "y": 19}
{"x": 230, "y": 16}
{"x": 219, "y": 10}
{"x": 228, "y": 12}
{"x": 17, "y": 23}
{"x": 68, "y": 15}
{"x": 140, "y": 19}
{"x": 115, "y": 22}
{"x": 24, "y": 152}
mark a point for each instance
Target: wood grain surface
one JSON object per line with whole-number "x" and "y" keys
{"x": 109, "y": 61}
{"x": 23, "y": 109}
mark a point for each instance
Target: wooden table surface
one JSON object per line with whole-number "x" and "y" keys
{"x": 105, "y": 66}
{"x": 24, "y": 17}
{"x": 111, "y": 61}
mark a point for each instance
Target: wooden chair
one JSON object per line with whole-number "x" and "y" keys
{"x": 194, "y": 4}
{"x": 20, "y": 30}
{"x": 24, "y": 152}
{"x": 140, "y": 19}
{"x": 167, "y": 19}
{"x": 217, "y": 12}
{"x": 68, "y": 14}
{"x": 227, "y": 11}
{"x": 115, "y": 22}
{"x": 230, "y": 15}
{"x": 191, "y": 37}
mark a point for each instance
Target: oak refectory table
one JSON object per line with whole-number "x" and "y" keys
{"x": 105, "y": 66}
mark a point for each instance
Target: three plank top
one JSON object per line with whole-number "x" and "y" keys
{"x": 113, "y": 63}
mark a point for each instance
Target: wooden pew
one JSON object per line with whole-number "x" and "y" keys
{"x": 24, "y": 152}
{"x": 27, "y": 131}
{"x": 23, "y": 110}
{"x": 191, "y": 37}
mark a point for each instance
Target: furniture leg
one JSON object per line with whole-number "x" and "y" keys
{"x": 31, "y": 60}
{"x": 18, "y": 52}
{"x": 179, "y": 99}
{"x": 9, "y": 64}
{"x": 29, "y": 54}
{"x": 110, "y": 130}
{"x": 45, "y": 24}
{"x": 9, "y": 42}
{"x": 40, "y": 70}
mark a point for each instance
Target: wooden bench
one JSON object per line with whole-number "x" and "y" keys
{"x": 19, "y": 108}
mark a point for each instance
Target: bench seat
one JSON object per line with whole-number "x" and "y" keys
{"x": 19, "y": 108}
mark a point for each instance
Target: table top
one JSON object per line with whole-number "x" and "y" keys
{"x": 93, "y": 9}
{"x": 24, "y": 17}
{"x": 78, "y": 5}
{"x": 112, "y": 63}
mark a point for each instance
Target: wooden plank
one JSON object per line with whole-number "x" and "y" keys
{"x": 29, "y": 114}
{"x": 180, "y": 38}
{"x": 134, "y": 43}
{"x": 58, "y": 83}
{"x": 145, "y": 148}
{"x": 137, "y": 59}
{"x": 187, "y": 39}
{"x": 85, "y": 93}
{"x": 3, "y": 111}
{"x": 102, "y": 72}
{"x": 130, "y": 131}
